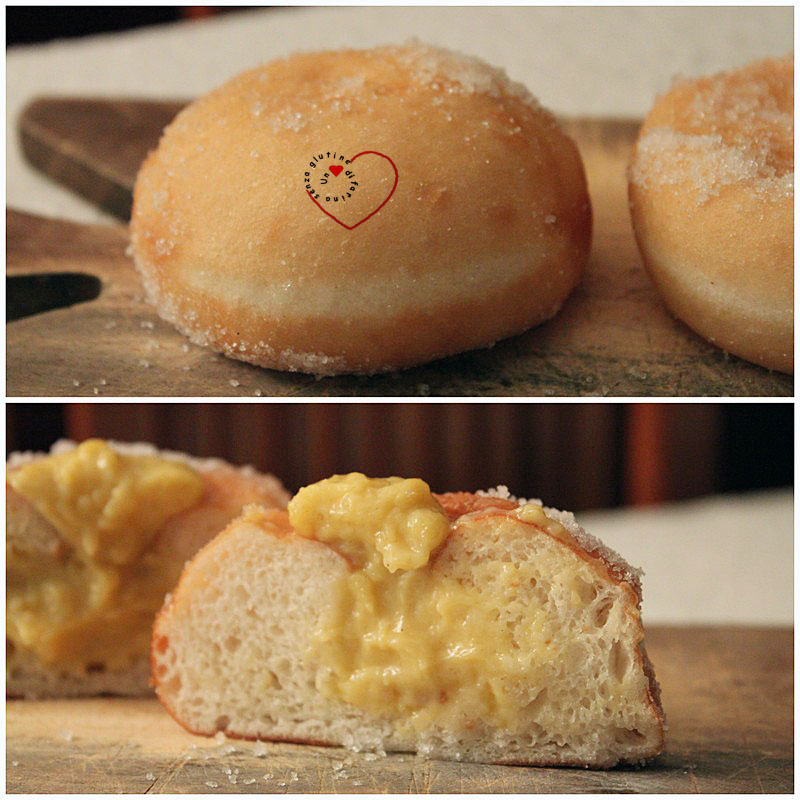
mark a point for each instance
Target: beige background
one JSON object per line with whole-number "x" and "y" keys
{"x": 725, "y": 559}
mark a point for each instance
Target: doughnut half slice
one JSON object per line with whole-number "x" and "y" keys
{"x": 233, "y": 650}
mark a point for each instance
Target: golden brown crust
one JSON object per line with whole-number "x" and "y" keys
{"x": 456, "y": 504}
{"x": 712, "y": 204}
{"x": 654, "y": 690}
{"x": 485, "y": 235}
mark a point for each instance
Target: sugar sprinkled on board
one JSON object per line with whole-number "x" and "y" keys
{"x": 260, "y": 750}
{"x": 425, "y": 748}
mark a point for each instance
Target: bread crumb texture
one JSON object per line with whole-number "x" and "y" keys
{"x": 517, "y": 641}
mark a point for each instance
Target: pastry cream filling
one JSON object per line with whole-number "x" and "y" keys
{"x": 402, "y": 638}
{"x": 394, "y": 521}
{"x": 92, "y": 601}
{"x": 535, "y": 514}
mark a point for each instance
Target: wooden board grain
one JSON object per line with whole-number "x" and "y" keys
{"x": 613, "y": 336}
{"x": 727, "y": 693}
{"x": 94, "y": 147}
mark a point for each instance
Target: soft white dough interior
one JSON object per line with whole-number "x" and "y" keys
{"x": 231, "y": 649}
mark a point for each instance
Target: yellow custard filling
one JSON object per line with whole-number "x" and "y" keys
{"x": 393, "y": 521}
{"x": 403, "y": 638}
{"x": 93, "y": 600}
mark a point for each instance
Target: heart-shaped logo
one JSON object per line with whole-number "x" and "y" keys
{"x": 372, "y": 213}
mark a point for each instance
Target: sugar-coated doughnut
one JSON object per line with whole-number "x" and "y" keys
{"x": 484, "y": 235}
{"x": 712, "y": 195}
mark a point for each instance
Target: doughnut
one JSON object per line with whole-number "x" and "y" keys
{"x": 360, "y": 211}
{"x": 711, "y": 187}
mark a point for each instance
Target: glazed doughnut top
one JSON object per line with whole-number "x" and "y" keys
{"x": 732, "y": 128}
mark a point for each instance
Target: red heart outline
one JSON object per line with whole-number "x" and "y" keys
{"x": 372, "y": 214}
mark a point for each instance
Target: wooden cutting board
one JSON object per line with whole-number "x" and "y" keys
{"x": 727, "y": 694}
{"x": 613, "y": 336}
